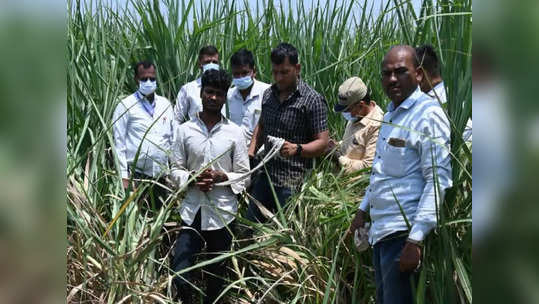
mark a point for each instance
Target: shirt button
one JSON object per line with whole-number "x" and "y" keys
{"x": 383, "y": 138}
{"x": 379, "y": 156}
{"x": 370, "y": 190}
{"x": 391, "y": 120}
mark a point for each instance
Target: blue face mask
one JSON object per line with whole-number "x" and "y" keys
{"x": 348, "y": 116}
{"x": 147, "y": 87}
{"x": 243, "y": 83}
{"x": 210, "y": 66}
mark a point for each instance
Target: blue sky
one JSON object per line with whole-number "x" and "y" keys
{"x": 357, "y": 8}
{"x": 59, "y": 6}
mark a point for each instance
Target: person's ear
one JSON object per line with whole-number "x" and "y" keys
{"x": 298, "y": 69}
{"x": 419, "y": 75}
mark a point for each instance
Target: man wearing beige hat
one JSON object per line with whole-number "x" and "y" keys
{"x": 357, "y": 148}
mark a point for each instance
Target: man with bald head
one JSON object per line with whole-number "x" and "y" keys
{"x": 412, "y": 152}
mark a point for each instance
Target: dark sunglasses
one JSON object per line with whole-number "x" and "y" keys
{"x": 144, "y": 79}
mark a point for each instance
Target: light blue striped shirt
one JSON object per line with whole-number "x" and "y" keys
{"x": 414, "y": 139}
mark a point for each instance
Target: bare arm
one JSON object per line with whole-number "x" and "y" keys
{"x": 256, "y": 140}
{"x": 311, "y": 149}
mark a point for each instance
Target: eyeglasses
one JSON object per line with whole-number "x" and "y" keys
{"x": 144, "y": 79}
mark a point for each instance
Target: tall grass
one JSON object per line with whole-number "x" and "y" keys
{"x": 301, "y": 256}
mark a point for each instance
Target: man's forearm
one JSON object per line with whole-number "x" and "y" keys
{"x": 256, "y": 140}
{"x": 316, "y": 147}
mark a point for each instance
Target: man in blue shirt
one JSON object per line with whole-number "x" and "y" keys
{"x": 412, "y": 152}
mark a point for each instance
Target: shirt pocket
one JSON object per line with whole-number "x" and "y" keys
{"x": 293, "y": 120}
{"x": 138, "y": 124}
{"x": 251, "y": 117}
{"x": 396, "y": 160}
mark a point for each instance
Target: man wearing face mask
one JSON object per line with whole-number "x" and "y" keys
{"x": 143, "y": 120}
{"x": 244, "y": 100}
{"x": 364, "y": 119}
{"x": 188, "y": 102}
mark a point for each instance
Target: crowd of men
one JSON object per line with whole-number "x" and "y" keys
{"x": 221, "y": 120}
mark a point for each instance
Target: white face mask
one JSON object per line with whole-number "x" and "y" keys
{"x": 147, "y": 87}
{"x": 243, "y": 83}
{"x": 348, "y": 116}
{"x": 210, "y": 66}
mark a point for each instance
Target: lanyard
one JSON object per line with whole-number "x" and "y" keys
{"x": 149, "y": 107}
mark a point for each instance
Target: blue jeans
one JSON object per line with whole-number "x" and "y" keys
{"x": 261, "y": 191}
{"x": 392, "y": 285}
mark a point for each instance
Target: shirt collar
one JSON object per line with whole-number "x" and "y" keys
{"x": 372, "y": 117}
{"x": 408, "y": 102}
{"x": 141, "y": 98}
{"x": 439, "y": 86}
{"x": 199, "y": 81}
{"x": 223, "y": 120}
{"x": 437, "y": 90}
{"x": 253, "y": 93}
{"x": 301, "y": 88}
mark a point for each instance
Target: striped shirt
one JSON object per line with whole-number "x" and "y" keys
{"x": 297, "y": 119}
{"x": 412, "y": 151}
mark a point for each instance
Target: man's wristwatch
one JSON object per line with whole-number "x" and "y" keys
{"x": 299, "y": 149}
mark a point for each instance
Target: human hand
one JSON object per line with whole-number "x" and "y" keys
{"x": 410, "y": 257}
{"x": 125, "y": 184}
{"x": 208, "y": 178}
{"x": 289, "y": 149}
{"x": 357, "y": 222}
{"x": 204, "y": 181}
{"x": 331, "y": 145}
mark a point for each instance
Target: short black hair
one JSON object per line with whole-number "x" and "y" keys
{"x": 146, "y": 64}
{"x": 209, "y": 50}
{"x": 242, "y": 57}
{"x": 282, "y": 51}
{"x": 428, "y": 59}
{"x": 216, "y": 78}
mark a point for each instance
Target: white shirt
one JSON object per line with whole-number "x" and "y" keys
{"x": 245, "y": 113}
{"x": 188, "y": 101}
{"x": 130, "y": 123}
{"x": 439, "y": 92}
{"x": 194, "y": 147}
{"x": 403, "y": 171}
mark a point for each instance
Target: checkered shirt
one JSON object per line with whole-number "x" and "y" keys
{"x": 297, "y": 119}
